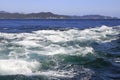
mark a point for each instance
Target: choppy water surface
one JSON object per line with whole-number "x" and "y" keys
{"x": 60, "y": 54}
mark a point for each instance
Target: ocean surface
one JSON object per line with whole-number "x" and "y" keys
{"x": 59, "y": 49}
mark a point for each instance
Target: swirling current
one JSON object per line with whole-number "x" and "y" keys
{"x": 71, "y": 54}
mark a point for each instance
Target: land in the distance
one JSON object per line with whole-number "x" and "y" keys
{"x": 48, "y": 15}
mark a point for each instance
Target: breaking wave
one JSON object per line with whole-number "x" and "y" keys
{"x": 62, "y": 54}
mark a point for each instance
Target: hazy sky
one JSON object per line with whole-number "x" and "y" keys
{"x": 70, "y": 7}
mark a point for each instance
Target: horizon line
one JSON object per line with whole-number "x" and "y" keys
{"x": 55, "y": 13}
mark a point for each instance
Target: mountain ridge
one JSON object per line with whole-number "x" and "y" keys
{"x": 48, "y": 15}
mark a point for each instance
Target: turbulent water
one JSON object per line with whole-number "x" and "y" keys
{"x": 60, "y": 54}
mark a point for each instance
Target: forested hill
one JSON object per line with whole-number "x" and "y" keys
{"x": 48, "y": 15}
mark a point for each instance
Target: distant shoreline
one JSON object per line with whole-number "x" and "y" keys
{"x": 49, "y": 15}
{"x": 56, "y": 19}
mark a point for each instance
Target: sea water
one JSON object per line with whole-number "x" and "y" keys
{"x": 59, "y": 49}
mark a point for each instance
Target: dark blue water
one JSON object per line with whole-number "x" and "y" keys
{"x": 31, "y": 25}
{"x": 59, "y": 49}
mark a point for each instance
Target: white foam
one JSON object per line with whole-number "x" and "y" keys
{"x": 45, "y": 39}
{"x": 12, "y": 67}
{"x": 104, "y": 28}
{"x": 58, "y": 73}
{"x": 27, "y": 43}
{"x": 47, "y": 42}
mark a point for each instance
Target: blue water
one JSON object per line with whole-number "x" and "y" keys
{"x": 22, "y": 25}
{"x": 59, "y": 49}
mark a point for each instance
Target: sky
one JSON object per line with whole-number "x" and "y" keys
{"x": 66, "y": 7}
